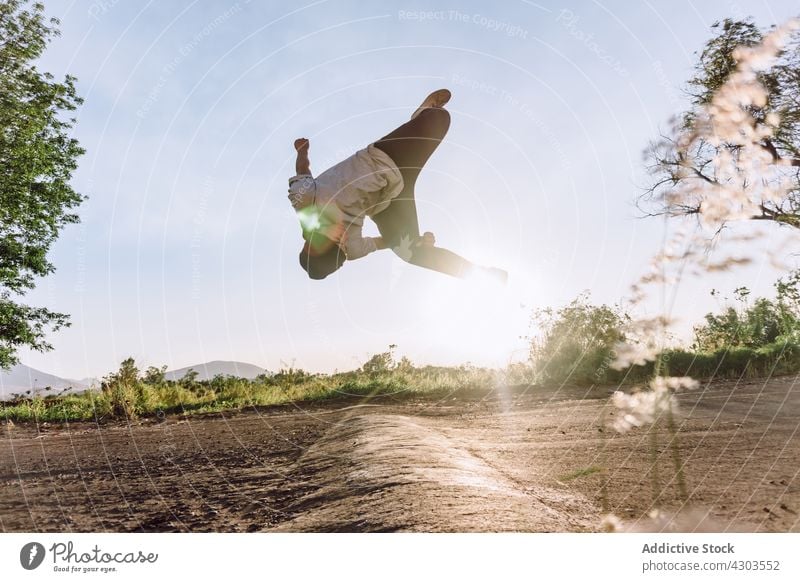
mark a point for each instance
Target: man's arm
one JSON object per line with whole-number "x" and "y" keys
{"x": 302, "y": 165}
{"x": 357, "y": 246}
{"x": 301, "y": 186}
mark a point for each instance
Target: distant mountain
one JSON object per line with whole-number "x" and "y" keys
{"x": 22, "y": 378}
{"x": 210, "y": 369}
{"x": 90, "y": 381}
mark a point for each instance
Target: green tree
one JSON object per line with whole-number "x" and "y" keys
{"x": 380, "y": 363}
{"x": 155, "y": 375}
{"x": 673, "y": 167}
{"x": 127, "y": 374}
{"x": 37, "y": 158}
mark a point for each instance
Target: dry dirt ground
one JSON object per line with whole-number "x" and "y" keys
{"x": 519, "y": 459}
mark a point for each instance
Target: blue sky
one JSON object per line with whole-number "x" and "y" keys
{"x": 187, "y": 250}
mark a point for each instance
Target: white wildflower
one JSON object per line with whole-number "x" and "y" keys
{"x": 633, "y": 354}
{"x": 743, "y": 177}
{"x": 640, "y": 408}
{"x": 641, "y": 345}
{"x": 744, "y": 180}
{"x": 674, "y": 383}
{"x": 610, "y": 523}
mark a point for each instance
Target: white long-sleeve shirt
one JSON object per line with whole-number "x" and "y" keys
{"x": 362, "y": 185}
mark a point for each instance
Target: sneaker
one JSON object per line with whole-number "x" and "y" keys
{"x": 498, "y": 275}
{"x": 438, "y": 98}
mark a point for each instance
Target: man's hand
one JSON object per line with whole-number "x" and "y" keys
{"x": 427, "y": 240}
{"x": 301, "y": 143}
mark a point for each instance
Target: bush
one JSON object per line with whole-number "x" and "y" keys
{"x": 743, "y": 325}
{"x": 773, "y": 359}
{"x": 577, "y": 342}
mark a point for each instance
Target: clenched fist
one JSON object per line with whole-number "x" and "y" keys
{"x": 301, "y": 143}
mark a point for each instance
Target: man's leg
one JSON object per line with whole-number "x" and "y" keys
{"x": 410, "y": 146}
{"x": 441, "y": 260}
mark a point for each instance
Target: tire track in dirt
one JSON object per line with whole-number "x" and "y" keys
{"x": 378, "y": 472}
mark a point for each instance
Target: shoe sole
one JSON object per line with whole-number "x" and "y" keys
{"x": 438, "y": 98}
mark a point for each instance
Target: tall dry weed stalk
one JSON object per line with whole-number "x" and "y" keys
{"x": 746, "y": 176}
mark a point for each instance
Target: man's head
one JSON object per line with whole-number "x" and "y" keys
{"x": 320, "y": 256}
{"x": 322, "y": 226}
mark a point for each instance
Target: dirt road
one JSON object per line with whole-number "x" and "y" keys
{"x": 522, "y": 459}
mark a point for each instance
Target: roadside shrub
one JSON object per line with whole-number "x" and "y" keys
{"x": 743, "y": 325}
{"x": 126, "y": 394}
{"x": 576, "y": 342}
{"x": 234, "y": 390}
{"x": 773, "y": 359}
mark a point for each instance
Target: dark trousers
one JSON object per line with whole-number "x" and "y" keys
{"x": 410, "y": 146}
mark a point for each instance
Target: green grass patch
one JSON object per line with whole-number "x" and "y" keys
{"x": 577, "y": 474}
{"x": 126, "y": 396}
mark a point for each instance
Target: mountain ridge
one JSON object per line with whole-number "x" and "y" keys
{"x": 28, "y": 381}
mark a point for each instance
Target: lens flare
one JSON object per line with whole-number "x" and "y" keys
{"x": 479, "y": 319}
{"x": 310, "y": 218}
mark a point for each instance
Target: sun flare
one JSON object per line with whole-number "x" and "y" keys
{"x": 477, "y": 319}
